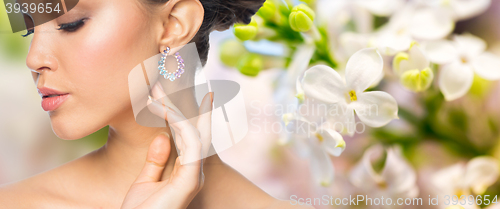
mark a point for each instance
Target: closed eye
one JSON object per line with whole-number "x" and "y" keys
{"x": 73, "y": 26}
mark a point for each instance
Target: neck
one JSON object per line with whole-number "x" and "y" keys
{"x": 123, "y": 156}
{"x": 128, "y": 142}
{"x": 127, "y": 147}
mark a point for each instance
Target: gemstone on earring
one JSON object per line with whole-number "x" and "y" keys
{"x": 172, "y": 77}
{"x": 180, "y": 65}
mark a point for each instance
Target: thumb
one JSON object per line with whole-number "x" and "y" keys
{"x": 204, "y": 124}
{"x": 157, "y": 157}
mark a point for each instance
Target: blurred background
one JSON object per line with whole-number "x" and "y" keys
{"x": 28, "y": 146}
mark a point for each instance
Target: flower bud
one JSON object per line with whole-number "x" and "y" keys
{"x": 301, "y": 18}
{"x": 417, "y": 80}
{"x": 397, "y": 60}
{"x": 231, "y": 51}
{"x": 250, "y": 64}
{"x": 246, "y": 32}
{"x": 268, "y": 10}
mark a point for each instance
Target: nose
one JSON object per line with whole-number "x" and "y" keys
{"x": 41, "y": 56}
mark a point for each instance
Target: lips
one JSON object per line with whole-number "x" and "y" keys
{"x": 52, "y": 99}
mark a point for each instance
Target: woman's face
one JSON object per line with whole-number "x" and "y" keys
{"x": 90, "y": 63}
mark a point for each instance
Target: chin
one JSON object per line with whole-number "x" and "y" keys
{"x": 67, "y": 133}
{"x": 71, "y": 129}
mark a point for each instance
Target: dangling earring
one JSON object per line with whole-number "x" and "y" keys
{"x": 180, "y": 65}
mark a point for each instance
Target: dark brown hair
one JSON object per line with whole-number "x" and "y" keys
{"x": 219, "y": 15}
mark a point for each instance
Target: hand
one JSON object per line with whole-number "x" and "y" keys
{"x": 186, "y": 180}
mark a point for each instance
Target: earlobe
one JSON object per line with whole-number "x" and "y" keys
{"x": 181, "y": 22}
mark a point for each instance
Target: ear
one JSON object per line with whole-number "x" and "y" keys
{"x": 181, "y": 20}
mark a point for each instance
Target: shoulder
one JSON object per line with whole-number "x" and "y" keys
{"x": 250, "y": 195}
{"x": 39, "y": 191}
{"x": 10, "y": 196}
{"x": 23, "y": 194}
{"x": 285, "y": 204}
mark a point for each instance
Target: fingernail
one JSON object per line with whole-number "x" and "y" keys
{"x": 158, "y": 92}
{"x": 212, "y": 96}
{"x": 165, "y": 134}
{"x": 206, "y": 106}
{"x": 150, "y": 100}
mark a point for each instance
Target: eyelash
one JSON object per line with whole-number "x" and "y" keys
{"x": 68, "y": 27}
{"x": 72, "y": 27}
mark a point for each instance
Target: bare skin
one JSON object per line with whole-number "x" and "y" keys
{"x": 73, "y": 186}
{"x": 91, "y": 64}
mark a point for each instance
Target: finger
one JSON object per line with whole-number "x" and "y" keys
{"x": 187, "y": 185}
{"x": 206, "y": 103}
{"x": 157, "y": 91}
{"x": 177, "y": 164}
{"x": 189, "y": 166}
{"x": 159, "y": 95}
{"x": 156, "y": 159}
{"x": 169, "y": 114}
{"x": 188, "y": 176}
{"x": 190, "y": 136}
{"x": 191, "y": 145}
{"x": 205, "y": 128}
{"x": 204, "y": 124}
{"x": 178, "y": 141}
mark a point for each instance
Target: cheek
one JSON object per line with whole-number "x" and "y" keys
{"x": 98, "y": 65}
{"x": 114, "y": 44}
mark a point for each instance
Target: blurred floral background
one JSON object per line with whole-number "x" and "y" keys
{"x": 429, "y": 67}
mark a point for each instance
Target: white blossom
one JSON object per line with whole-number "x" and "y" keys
{"x": 315, "y": 142}
{"x": 414, "y": 22}
{"x": 462, "y": 57}
{"x": 470, "y": 179}
{"x": 414, "y": 69}
{"x": 397, "y": 179}
{"x": 374, "y": 108}
{"x": 461, "y": 9}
